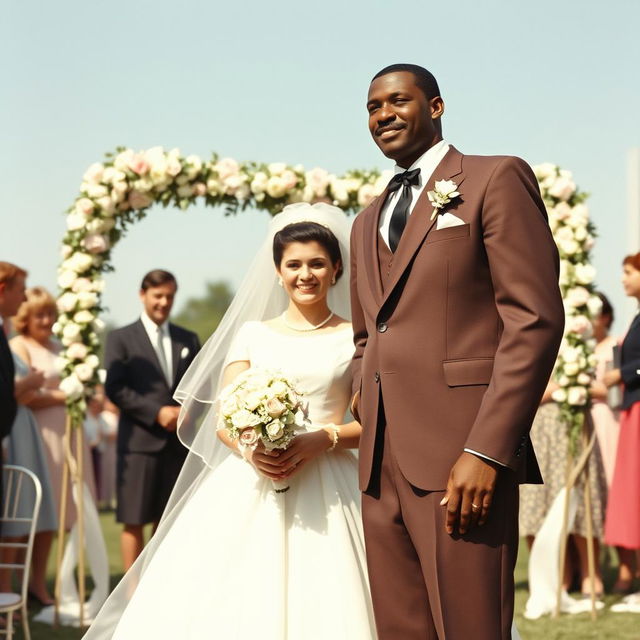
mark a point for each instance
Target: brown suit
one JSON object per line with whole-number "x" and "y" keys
{"x": 456, "y": 335}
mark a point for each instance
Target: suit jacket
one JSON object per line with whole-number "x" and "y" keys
{"x": 630, "y": 364}
{"x": 460, "y": 345}
{"x": 8, "y": 405}
{"x": 136, "y": 384}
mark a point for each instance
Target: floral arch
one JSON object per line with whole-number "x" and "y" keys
{"x": 118, "y": 192}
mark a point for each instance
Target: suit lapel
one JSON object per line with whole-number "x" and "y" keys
{"x": 420, "y": 224}
{"x": 371, "y": 224}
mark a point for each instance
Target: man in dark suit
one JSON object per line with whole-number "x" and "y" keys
{"x": 457, "y": 320}
{"x": 145, "y": 362}
{"x": 12, "y": 288}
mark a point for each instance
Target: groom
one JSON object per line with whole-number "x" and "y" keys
{"x": 457, "y": 319}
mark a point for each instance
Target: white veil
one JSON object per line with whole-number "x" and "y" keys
{"x": 258, "y": 298}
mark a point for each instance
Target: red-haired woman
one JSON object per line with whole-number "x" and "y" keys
{"x": 623, "y": 514}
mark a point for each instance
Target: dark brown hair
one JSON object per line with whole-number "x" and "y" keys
{"x": 157, "y": 278}
{"x": 305, "y": 232}
{"x": 607, "y": 308}
{"x": 9, "y": 272}
{"x": 633, "y": 260}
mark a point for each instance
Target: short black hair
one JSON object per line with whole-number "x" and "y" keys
{"x": 425, "y": 80}
{"x": 305, "y": 232}
{"x": 157, "y": 278}
{"x": 607, "y": 308}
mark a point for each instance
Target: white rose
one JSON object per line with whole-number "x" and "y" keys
{"x": 75, "y": 221}
{"x": 580, "y": 324}
{"x": 570, "y": 354}
{"x": 243, "y": 418}
{"x": 66, "y": 278}
{"x": 71, "y": 331}
{"x": 562, "y": 188}
{"x": 93, "y": 360}
{"x": 253, "y": 400}
{"x": 571, "y": 368}
{"x": 94, "y": 173}
{"x": 366, "y": 194}
{"x": 317, "y": 180}
{"x": 214, "y": 188}
{"x": 83, "y": 371}
{"x": 562, "y": 211}
{"x": 120, "y": 188}
{"x": 584, "y": 379}
{"x": 97, "y": 191}
{"x": 594, "y": 304}
{"x": 559, "y": 395}
{"x": 82, "y": 284}
{"x": 275, "y": 187}
{"x": 564, "y": 234}
{"x": 79, "y": 262}
{"x": 569, "y": 247}
{"x": 564, "y": 381}
{"x": 585, "y": 273}
{"x": 107, "y": 205}
{"x": 87, "y": 299}
{"x": 72, "y": 387}
{"x": 382, "y": 181}
{"x": 278, "y": 388}
{"x": 67, "y": 302}
{"x": 65, "y": 251}
{"x": 139, "y": 200}
{"x": 83, "y": 317}
{"x": 340, "y": 192}
{"x": 123, "y": 159}
{"x": 194, "y": 166}
{"x": 276, "y": 168}
{"x": 185, "y": 191}
{"x": 275, "y": 430}
{"x": 565, "y": 272}
{"x": 581, "y": 234}
{"x": 226, "y": 167}
{"x": 111, "y": 175}
{"x": 96, "y": 243}
{"x": 577, "y": 396}
{"x": 577, "y": 297}
{"x": 97, "y": 285}
{"x": 101, "y": 225}
{"x": 259, "y": 183}
{"x": 78, "y": 351}
{"x": 233, "y": 183}
{"x": 98, "y": 325}
{"x": 60, "y": 364}
{"x": 544, "y": 170}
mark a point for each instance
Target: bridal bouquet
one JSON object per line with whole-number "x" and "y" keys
{"x": 262, "y": 404}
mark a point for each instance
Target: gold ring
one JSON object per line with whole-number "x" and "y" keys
{"x": 475, "y": 507}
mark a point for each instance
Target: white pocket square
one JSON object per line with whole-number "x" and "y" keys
{"x": 448, "y": 220}
{"x": 185, "y": 352}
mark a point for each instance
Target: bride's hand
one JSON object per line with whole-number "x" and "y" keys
{"x": 302, "y": 449}
{"x": 266, "y": 462}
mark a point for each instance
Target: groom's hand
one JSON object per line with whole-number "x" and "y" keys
{"x": 469, "y": 493}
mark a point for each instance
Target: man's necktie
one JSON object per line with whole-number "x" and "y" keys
{"x": 401, "y": 210}
{"x": 162, "y": 357}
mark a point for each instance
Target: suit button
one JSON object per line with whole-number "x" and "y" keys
{"x": 382, "y": 327}
{"x": 376, "y": 377}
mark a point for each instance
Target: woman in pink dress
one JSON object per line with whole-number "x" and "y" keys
{"x": 35, "y": 345}
{"x": 622, "y": 528}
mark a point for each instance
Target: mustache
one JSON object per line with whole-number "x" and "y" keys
{"x": 395, "y": 126}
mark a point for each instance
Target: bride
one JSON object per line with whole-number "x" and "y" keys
{"x": 232, "y": 558}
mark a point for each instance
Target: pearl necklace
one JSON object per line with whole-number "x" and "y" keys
{"x": 313, "y": 328}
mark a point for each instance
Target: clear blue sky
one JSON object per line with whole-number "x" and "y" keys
{"x": 547, "y": 80}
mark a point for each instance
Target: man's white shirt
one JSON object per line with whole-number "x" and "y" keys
{"x": 152, "y": 330}
{"x": 427, "y": 164}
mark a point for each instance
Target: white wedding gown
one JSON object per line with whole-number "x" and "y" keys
{"x": 242, "y": 562}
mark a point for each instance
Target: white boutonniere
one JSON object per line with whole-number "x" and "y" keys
{"x": 445, "y": 191}
{"x": 184, "y": 353}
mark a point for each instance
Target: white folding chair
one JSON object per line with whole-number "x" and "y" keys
{"x": 21, "y": 498}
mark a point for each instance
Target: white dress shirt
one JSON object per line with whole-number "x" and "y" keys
{"x": 427, "y": 164}
{"x": 152, "y": 330}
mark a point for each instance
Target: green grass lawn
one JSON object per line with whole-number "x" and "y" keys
{"x": 609, "y": 626}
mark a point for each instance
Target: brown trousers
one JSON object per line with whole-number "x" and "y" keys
{"x": 426, "y": 584}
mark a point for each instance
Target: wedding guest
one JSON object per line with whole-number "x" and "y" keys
{"x": 551, "y": 444}
{"x": 25, "y": 448}
{"x": 606, "y": 419}
{"x": 109, "y": 424}
{"x": 37, "y": 348}
{"x": 145, "y": 361}
{"x": 623, "y": 514}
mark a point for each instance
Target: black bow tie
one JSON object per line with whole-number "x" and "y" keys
{"x": 406, "y": 179}
{"x": 401, "y": 210}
